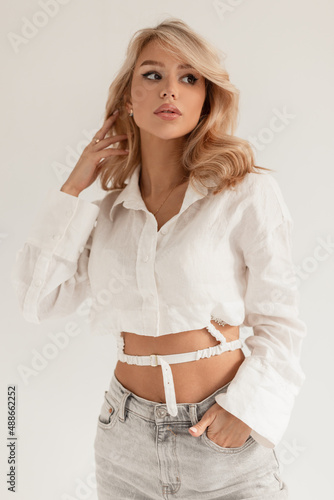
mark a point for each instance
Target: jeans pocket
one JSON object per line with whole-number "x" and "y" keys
{"x": 220, "y": 449}
{"x": 108, "y": 413}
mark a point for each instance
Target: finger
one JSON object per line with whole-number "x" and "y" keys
{"x": 109, "y": 140}
{"x": 104, "y": 153}
{"x": 100, "y": 134}
{"x": 206, "y": 420}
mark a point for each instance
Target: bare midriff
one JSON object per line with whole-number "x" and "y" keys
{"x": 193, "y": 380}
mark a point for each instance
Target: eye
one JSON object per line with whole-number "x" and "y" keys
{"x": 146, "y": 75}
{"x": 193, "y": 77}
{"x": 149, "y": 73}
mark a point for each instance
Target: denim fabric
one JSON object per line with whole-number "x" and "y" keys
{"x": 143, "y": 453}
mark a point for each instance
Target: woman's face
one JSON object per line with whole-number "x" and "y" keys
{"x": 164, "y": 82}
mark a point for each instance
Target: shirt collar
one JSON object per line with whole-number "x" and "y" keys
{"x": 131, "y": 196}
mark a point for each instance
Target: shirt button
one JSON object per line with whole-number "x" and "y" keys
{"x": 37, "y": 282}
{"x": 164, "y": 230}
{"x": 145, "y": 259}
{"x": 95, "y": 223}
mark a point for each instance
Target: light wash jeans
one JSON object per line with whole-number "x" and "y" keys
{"x": 143, "y": 453}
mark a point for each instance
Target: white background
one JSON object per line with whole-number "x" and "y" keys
{"x": 55, "y": 84}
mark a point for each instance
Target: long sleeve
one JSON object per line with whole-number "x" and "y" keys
{"x": 50, "y": 276}
{"x": 263, "y": 391}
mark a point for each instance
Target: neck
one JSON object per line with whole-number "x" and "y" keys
{"x": 161, "y": 167}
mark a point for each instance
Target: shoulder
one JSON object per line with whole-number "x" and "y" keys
{"x": 262, "y": 193}
{"x": 256, "y": 182}
{"x": 259, "y": 208}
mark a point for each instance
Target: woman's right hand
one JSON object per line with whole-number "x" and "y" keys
{"x": 86, "y": 170}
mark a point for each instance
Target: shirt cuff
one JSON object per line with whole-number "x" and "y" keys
{"x": 262, "y": 399}
{"x": 60, "y": 215}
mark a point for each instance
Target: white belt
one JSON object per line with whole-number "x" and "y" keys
{"x": 167, "y": 359}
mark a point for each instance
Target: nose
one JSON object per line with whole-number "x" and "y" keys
{"x": 165, "y": 93}
{"x": 168, "y": 89}
{"x": 169, "y": 86}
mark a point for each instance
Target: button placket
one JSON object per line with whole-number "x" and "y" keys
{"x": 145, "y": 273}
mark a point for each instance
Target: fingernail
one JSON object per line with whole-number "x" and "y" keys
{"x": 116, "y": 111}
{"x": 193, "y": 429}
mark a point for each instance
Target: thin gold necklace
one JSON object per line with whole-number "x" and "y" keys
{"x": 178, "y": 184}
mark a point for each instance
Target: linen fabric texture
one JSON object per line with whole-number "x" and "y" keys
{"x": 227, "y": 256}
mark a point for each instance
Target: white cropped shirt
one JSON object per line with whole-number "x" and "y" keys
{"x": 225, "y": 256}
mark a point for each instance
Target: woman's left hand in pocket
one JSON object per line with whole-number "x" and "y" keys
{"x": 224, "y": 429}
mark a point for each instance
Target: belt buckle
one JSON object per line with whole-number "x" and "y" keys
{"x": 154, "y": 359}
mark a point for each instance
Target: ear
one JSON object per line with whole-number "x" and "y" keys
{"x": 128, "y": 104}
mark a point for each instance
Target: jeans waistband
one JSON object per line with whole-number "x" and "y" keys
{"x": 152, "y": 410}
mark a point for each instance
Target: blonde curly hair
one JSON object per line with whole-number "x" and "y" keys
{"x": 212, "y": 155}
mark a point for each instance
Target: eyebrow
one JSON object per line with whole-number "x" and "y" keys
{"x": 158, "y": 63}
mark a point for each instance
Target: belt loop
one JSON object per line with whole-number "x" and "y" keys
{"x": 121, "y": 413}
{"x": 193, "y": 413}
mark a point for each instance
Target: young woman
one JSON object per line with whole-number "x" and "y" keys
{"x": 190, "y": 242}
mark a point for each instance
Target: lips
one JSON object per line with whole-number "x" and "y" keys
{"x": 168, "y": 109}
